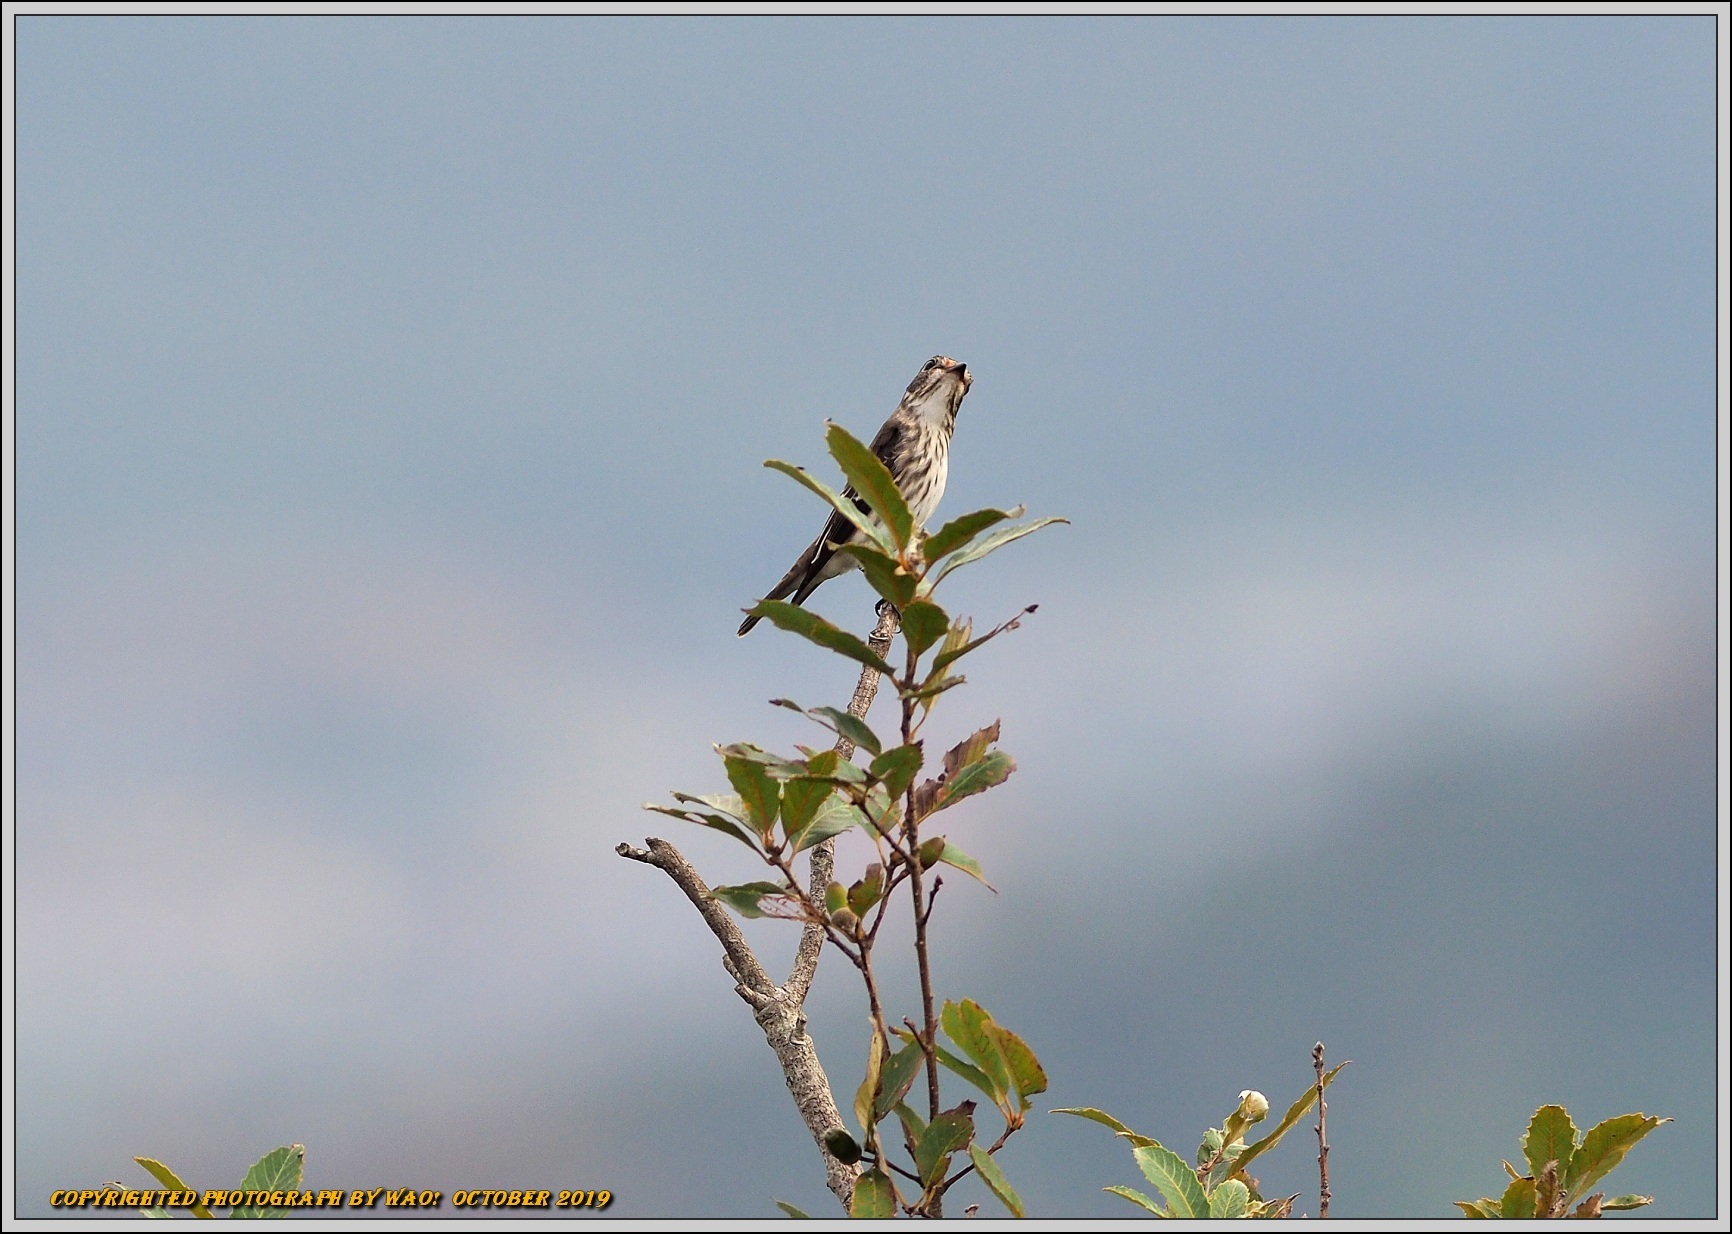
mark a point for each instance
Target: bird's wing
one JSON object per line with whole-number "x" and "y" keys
{"x": 887, "y": 445}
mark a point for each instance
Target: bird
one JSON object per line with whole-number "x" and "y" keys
{"x": 914, "y": 445}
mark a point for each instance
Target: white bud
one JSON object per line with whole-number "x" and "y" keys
{"x": 1253, "y": 1105}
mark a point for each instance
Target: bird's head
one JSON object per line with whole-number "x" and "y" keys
{"x": 937, "y": 389}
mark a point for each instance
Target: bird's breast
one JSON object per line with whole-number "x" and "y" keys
{"x": 925, "y": 467}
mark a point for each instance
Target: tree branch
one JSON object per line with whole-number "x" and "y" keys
{"x": 779, "y": 1010}
{"x": 824, "y": 855}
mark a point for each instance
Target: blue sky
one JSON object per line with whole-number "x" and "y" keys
{"x": 391, "y": 395}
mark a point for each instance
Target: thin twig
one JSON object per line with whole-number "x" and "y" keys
{"x": 1322, "y": 1136}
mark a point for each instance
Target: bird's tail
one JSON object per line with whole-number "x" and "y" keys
{"x": 803, "y": 577}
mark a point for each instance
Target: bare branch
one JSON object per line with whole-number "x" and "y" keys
{"x": 670, "y": 861}
{"x": 1322, "y": 1140}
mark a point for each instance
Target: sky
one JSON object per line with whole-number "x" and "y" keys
{"x": 391, "y": 395}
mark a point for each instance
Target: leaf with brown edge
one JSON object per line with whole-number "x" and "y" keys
{"x": 1025, "y": 1069}
{"x": 965, "y": 1023}
{"x": 977, "y": 777}
{"x": 1603, "y": 1147}
{"x": 1483, "y": 1209}
{"x": 1518, "y": 1200}
{"x": 1551, "y": 1136}
{"x": 1623, "y": 1203}
{"x": 970, "y": 748}
{"x": 870, "y": 478}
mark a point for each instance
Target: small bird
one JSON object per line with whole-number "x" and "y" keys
{"x": 914, "y": 445}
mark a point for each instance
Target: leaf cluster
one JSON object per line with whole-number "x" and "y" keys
{"x": 1219, "y": 1184}
{"x": 278, "y": 1170}
{"x": 1563, "y": 1165}
{"x": 782, "y": 805}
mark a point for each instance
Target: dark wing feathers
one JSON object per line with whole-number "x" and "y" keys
{"x": 808, "y": 570}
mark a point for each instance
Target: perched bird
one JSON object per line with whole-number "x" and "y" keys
{"x": 914, "y": 445}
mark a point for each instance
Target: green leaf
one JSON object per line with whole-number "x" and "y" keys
{"x": 847, "y": 724}
{"x": 1138, "y": 1198}
{"x": 1289, "y": 1120}
{"x": 994, "y": 1179}
{"x": 1096, "y": 1116}
{"x": 1025, "y": 1069}
{"x": 1603, "y": 1147}
{"x": 1175, "y": 1180}
{"x": 923, "y": 624}
{"x": 897, "y": 768}
{"x": 869, "y": 477}
{"x": 1551, "y": 1136}
{"x": 169, "y": 1179}
{"x": 992, "y": 543}
{"x": 874, "y": 1196}
{"x": 759, "y": 792}
{"x": 800, "y": 801}
{"x": 950, "y": 1131}
{"x": 843, "y": 505}
{"x": 965, "y": 1024}
{"x": 897, "y": 1078}
{"x": 1481, "y": 1209}
{"x": 1622, "y": 1203}
{"x": 962, "y": 529}
{"x": 1518, "y": 1200}
{"x": 974, "y": 1075}
{"x": 833, "y": 818}
{"x": 884, "y": 573}
{"x": 744, "y": 899}
{"x": 277, "y": 1170}
{"x": 793, "y": 1212}
{"x": 867, "y": 890}
{"x": 864, "y": 1095}
{"x": 1210, "y": 1146}
{"x": 953, "y": 856}
{"x": 977, "y": 777}
{"x": 1231, "y": 1199}
{"x": 713, "y": 821}
{"x": 813, "y": 627}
